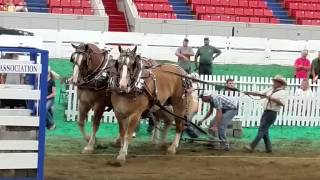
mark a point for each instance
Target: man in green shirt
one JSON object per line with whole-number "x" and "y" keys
{"x": 206, "y": 53}
{"x": 315, "y": 68}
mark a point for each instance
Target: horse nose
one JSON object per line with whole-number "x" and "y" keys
{"x": 123, "y": 83}
{"x": 123, "y": 86}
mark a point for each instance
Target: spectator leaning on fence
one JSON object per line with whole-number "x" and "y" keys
{"x": 275, "y": 98}
{"x": 207, "y": 54}
{"x": 302, "y": 66}
{"x": 22, "y": 7}
{"x": 304, "y": 90}
{"x": 184, "y": 53}
{"x": 230, "y": 88}
{"x": 315, "y": 68}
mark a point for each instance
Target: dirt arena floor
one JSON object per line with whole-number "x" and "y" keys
{"x": 292, "y": 161}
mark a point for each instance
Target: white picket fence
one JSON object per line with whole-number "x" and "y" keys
{"x": 299, "y": 111}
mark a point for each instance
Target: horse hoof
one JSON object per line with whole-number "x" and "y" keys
{"x": 164, "y": 146}
{"x": 115, "y": 163}
{"x": 154, "y": 142}
{"x": 171, "y": 151}
{"x": 121, "y": 160}
{"x": 88, "y": 151}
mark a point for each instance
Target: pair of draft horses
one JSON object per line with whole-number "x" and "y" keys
{"x": 163, "y": 84}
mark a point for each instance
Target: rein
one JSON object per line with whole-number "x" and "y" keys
{"x": 209, "y": 83}
{"x": 157, "y": 103}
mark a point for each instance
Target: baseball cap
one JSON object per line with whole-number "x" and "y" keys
{"x": 186, "y": 39}
{"x": 206, "y": 93}
{"x": 206, "y": 38}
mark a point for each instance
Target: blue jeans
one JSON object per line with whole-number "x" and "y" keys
{"x": 49, "y": 107}
{"x": 227, "y": 117}
{"x": 267, "y": 119}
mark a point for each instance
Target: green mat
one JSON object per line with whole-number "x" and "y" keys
{"x": 70, "y": 129}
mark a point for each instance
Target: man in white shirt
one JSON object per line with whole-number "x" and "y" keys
{"x": 275, "y": 99}
{"x": 184, "y": 53}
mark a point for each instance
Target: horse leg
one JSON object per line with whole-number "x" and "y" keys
{"x": 166, "y": 127}
{"x": 89, "y": 149}
{"x": 179, "y": 111}
{"x": 133, "y": 121}
{"x": 168, "y": 119}
{"x": 83, "y": 114}
{"x": 156, "y": 131}
{"x": 117, "y": 142}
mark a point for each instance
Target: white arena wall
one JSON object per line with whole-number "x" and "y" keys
{"x": 235, "y": 50}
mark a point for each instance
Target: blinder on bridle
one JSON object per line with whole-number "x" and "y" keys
{"x": 123, "y": 55}
{"x": 80, "y": 49}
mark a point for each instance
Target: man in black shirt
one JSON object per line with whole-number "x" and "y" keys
{"x": 50, "y": 102}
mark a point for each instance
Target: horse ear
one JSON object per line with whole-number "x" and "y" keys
{"x": 120, "y": 49}
{"x": 74, "y": 46}
{"x": 134, "y": 50}
{"x": 138, "y": 57}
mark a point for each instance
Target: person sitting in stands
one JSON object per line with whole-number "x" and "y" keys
{"x": 9, "y": 6}
{"x": 22, "y": 7}
{"x": 2, "y": 8}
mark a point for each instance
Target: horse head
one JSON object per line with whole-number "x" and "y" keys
{"x": 126, "y": 65}
{"x": 87, "y": 60}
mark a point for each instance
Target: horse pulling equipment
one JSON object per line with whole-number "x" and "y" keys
{"x": 98, "y": 78}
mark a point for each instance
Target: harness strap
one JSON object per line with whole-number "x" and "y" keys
{"x": 157, "y": 103}
{"x": 185, "y": 119}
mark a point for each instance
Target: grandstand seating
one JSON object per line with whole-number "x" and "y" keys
{"x": 16, "y": 2}
{"x": 255, "y": 11}
{"x": 81, "y": 7}
{"x": 306, "y": 12}
{"x": 155, "y": 9}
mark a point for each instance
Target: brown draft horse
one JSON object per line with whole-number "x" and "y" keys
{"x": 192, "y": 109}
{"x": 166, "y": 87}
{"x": 89, "y": 60}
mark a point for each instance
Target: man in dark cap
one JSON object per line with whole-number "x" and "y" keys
{"x": 184, "y": 53}
{"x": 207, "y": 54}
